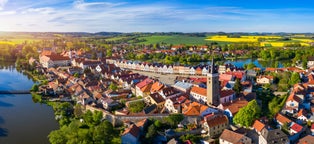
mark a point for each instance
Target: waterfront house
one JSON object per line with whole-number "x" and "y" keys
{"x": 54, "y": 60}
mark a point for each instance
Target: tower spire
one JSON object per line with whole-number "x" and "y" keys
{"x": 212, "y": 67}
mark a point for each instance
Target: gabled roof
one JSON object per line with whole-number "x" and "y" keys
{"x": 235, "y": 106}
{"x": 157, "y": 97}
{"x": 156, "y": 86}
{"x": 282, "y": 119}
{"x": 194, "y": 108}
{"x": 133, "y": 130}
{"x": 199, "y": 90}
{"x": 274, "y": 136}
{"x": 217, "y": 119}
{"x": 144, "y": 82}
{"x": 293, "y": 97}
{"x": 231, "y": 136}
{"x": 296, "y": 127}
{"x": 258, "y": 126}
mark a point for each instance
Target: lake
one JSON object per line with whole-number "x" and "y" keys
{"x": 21, "y": 120}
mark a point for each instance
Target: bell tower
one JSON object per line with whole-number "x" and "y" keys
{"x": 213, "y": 87}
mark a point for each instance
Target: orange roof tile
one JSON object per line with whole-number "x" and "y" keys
{"x": 217, "y": 119}
{"x": 258, "y": 125}
{"x": 199, "y": 90}
{"x": 156, "y": 87}
{"x": 309, "y": 139}
{"x": 194, "y": 108}
{"x": 282, "y": 119}
{"x": 225, "y": 93}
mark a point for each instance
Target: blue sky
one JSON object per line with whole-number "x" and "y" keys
{"x": 157, "y": 16}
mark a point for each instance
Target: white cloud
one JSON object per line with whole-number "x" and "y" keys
{"x": 82, "y": 5}
{"x": 4, "y": 13}
{"x": 3, "y": 3}
{"x": 43, "y": 10}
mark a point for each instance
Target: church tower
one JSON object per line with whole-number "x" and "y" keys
{"x": 213, "y": 87}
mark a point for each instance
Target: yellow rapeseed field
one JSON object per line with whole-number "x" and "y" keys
{"x": 241, "y": 39}
{"x": 7, "y": 42}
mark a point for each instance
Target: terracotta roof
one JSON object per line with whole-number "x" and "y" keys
{"x": 225, "y": 93}
{"x": 309, "y": 139}
{"x": 57, "y": 57}
{"x": 144, "y": 82}
{"x": 235, "y": 106}
{"x": 258, "y": 125}
{"x": 225, "y": 77}
{"x": 156, "y": 87}
{"x": 293, "y": 97}
{"x": 141, "y": 123}
{"x": 199, "y": 90}
{"x": 194, "y": 109}
{"x": 296, "y": 127}
{"x": 133, "y": 130}
{"x": 312, "y": 127}
{"x": 282, "y": 119}
{"x": 46, "y": 53}
{"x": 146, "y": 88}
{"x": 270, "y": 69}
{"x": 216, "y": 120}
{"x": 231, "y": 136}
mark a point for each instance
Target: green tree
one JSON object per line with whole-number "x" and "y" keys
{"x": 78, "y": 112}
{"x": 57, "y": 137}
{"x": 237, "y": 87}
{"x": 151, "y": 132}
{"x": 76, "y": 75}
{"x": 34, "y": 88}
{"x": 103, "y": 133}
{"x": 247, "y": 114}
{"x": 113, "y": 87}
{"x": 295, "y": 78}
{"x": 174, "y": 119}
{"x": 137, "y": 106}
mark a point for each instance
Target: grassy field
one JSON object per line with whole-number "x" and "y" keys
{"x": 115, "y": 38}
{"x": 175, "y": 39}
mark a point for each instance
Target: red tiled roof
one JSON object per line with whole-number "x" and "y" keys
{"x": 225, "y": 93}
{"x": 225, "y": 77}
{"x": 199, "y": 90}
{"x": 216, "y": 120}
{"x": 296, "y": 127}
{"x": 156, "y": 87}
{"x": 282, "y": 119}
{"x": 235, "y": 106}
{"x": 258, "y": 125}
{"x": 144, "y": 82}
{"x": 194, "y": 109}
{"x": 133, "y": 130}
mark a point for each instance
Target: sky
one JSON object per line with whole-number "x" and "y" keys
{"x": 157, "y": 16}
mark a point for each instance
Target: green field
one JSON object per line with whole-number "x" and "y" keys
{"x": 174, "y": 39}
